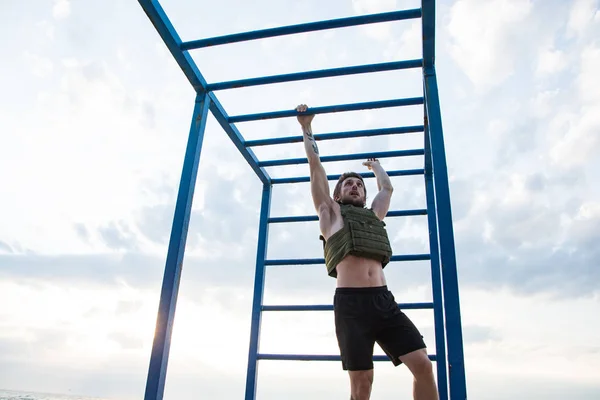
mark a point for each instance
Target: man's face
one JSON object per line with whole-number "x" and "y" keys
{"x": 353, "y": 192}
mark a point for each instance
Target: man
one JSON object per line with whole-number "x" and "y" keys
{"x": 357, "y": 248}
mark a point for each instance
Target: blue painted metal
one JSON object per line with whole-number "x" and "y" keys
{"x": 306, "y": 218}
{"x": 335, "y": 177}
{"x": 428, "y": 32}
{"x": 329, "y": 109}
{"x": 157, "y": 370}
{"x": 436, "y": 283}
{"x": 445, "y": 304}
{"x": 172, "y": 40}
{"x": 329, "y": 307}
{"x": 234, "y": 134}
{"x": 302, "y": 28}
{"x": 167, "y": 32}
{"x": 456, "y": 367}
{"x": 311, "y": 261}
{"x": 259, "y": 284}
{"x": 320, "y": 357}
{"x": 317, "y": 74}
{"x": 345, "y": 157}
{"x": 336, "y": 135}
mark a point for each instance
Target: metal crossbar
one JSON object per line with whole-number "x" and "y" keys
{"x": 370, "y": 105}
{"x": 308, "y": 261}
{"x": 323, "y": 73}
{"x": 306, "y": 218}
{"x": 358, "y": 156}
{"x": 445, "y": 295}
{"x": 320, "y": 357}
{"x": 329, "y": 307}
{"x": 335, "y": 177}
{"x": 303, "y": 28}
{"x": 337, "y": 135}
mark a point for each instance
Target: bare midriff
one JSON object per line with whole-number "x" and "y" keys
{"x": 355, "y": 271}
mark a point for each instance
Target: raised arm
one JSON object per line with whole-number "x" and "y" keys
{"x": 318, "y": 178}
{"x": 381, "y": 202}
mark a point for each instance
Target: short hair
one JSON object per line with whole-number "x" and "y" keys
{"x": 338, "y": 185}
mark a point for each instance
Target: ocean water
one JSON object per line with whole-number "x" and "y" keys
{"x": 15, "y": 395}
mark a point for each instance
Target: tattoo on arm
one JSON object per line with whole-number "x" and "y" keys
{"x": 312, "y": 140}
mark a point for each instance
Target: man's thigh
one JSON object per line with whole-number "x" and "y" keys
{"x": 396, "y": 334}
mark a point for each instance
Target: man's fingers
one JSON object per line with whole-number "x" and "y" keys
{"x": 302, "y": 108}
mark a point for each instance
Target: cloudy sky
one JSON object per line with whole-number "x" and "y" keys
{"x": 94, "y": 117}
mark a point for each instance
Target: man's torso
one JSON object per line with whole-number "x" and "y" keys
{"x": 352, "y": 271}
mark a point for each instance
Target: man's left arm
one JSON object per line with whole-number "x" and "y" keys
{"x": 381, "y": 202}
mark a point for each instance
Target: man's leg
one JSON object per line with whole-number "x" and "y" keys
{"x": 419, "y": 364}
{"x": 361, "y": 383}
{"x": 355, "y": 339}
{"x": 403, "y": 343}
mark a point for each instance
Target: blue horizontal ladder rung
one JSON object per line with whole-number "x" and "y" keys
{"x": 312, "y": 261}
{"x": 334, "y": 177}
{"x": 307, "y": 218}
{"x": 347, "y": 157}
{"x": 329, "y": 307}
{"x": 320, "y": 357}
{"x": 337, "y": 135}
{"x": 303, "y": 28}
{"x": 316, "y": 74}
{"x": 368, "y": 105}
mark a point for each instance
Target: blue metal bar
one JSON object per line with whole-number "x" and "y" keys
{"x": 221, "y": 116}
{"x": 307, "y": 218}
{"x": 329, "y": 109}
{"x": 317, "y": 74}
{"x": 167, "y": 32}
{"x": 329, "y": 307}
{"x": 456, "y": 367}
{"x": 309, "y": 261}
{"x": 320, "y": 357}
{"x": 428, "y": 32}
{"x": 345, "y": 157}
{"x": 259, "y": 284}
{"x": 171, "y": 39}
{"x": 302, "y": 28}
{"x": 337, "y": 135}
{"x": 436, "y": 285}
{"x": 157, "y": 370}
{"x": 334, "y": 177}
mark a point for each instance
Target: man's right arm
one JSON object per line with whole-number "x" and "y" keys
{"x": 319, "y": 185}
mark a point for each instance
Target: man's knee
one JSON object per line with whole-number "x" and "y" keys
{"x": 419, "y": 364}
{"x": 361, "y": 383}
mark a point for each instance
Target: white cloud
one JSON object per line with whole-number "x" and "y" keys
{"x": 41, "y": 67}
{"x": 482, "y": 38}
{"x": 61, "y": 9}
{"x": 381, "y": 31}
{"x": 589, "y": 80}
{"x": 551, "y": 61}
{"x": 583, "y": 13}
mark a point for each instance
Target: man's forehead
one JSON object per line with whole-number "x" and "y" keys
{"x": 351, "y": 179}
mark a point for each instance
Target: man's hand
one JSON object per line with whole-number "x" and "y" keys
{"x": 381, "y": 202}
{"x": 305, "y": 120}
{"x": 371, "y": 162}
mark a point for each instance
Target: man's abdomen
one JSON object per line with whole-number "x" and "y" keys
{"x": 355, "y": 271}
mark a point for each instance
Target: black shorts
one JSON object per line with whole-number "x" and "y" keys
{"x": 364, "y": 316}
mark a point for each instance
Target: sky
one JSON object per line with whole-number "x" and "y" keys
{"x": 94, "y": 118}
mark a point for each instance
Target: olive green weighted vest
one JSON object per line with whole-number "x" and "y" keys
{"x": 363, "y": 235}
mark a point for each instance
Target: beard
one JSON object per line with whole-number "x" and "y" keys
{"x": 351, "y": 200}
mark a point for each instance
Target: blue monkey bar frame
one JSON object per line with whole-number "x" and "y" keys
{"x": 449, "y": 356}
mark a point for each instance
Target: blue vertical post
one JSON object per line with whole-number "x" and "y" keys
{"x": 436, "y": 283}
{"x": 257, "y": 301}
{"x": 456, "y": 367}
{"x": 157, "y": 371}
